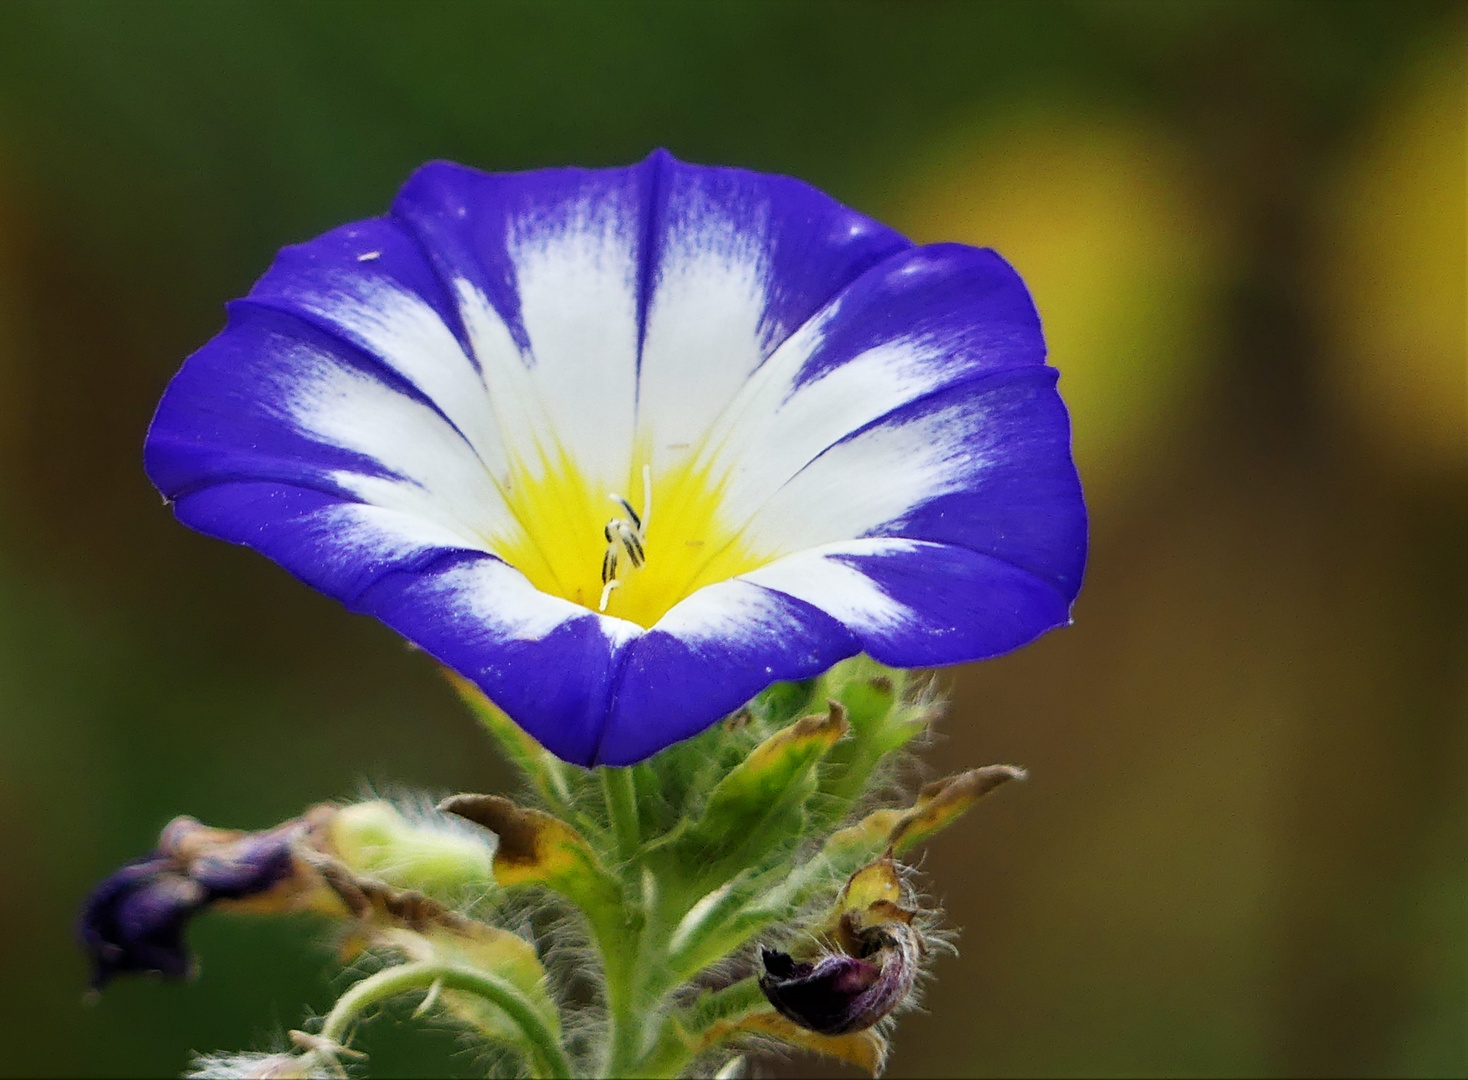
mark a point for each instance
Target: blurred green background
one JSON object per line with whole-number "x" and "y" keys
{"x": 1244, "y": 849}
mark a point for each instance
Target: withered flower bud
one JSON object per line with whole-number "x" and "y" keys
{"x": 839, "y": 994}
{"x": 135, "y": 920}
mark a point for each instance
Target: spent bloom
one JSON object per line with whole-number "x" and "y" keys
{"x": 136, "y": 919}
{"x": 625, "y": 446}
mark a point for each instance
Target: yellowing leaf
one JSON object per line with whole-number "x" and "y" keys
{"x": 865, "y": 1049}
{"x": 941, "y": 802}
{"x": 536, "y": 848}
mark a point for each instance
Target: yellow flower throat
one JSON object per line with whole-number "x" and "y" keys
{"x": 559, "y": 540}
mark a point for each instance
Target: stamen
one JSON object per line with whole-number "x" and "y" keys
{"x": 627, "y": 506}
{"x": 627, "y": 534}
{"x": 634, "y": 548}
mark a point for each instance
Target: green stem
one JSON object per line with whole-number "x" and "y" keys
{"x": 621, "y": 950}
{"x": 621, "y": 793}
{"x": 545, "y": 1046}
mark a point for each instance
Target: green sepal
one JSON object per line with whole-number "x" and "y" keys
{"x": 883, "y": 717}
{"x": 784, "y": 702}
{"x": 674, "y": 784}
{"x": 758, "y": 808}
{"x": 723, "y": 920}
{"x": 486, "y": 948}
{"x": 375, "y": 838}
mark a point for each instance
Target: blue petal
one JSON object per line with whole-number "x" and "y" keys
{"x": 921, "y": 322}
{"x": 984, "y": 464}
{"x": 911, "y": 603}
{"x": 709, "y": 655}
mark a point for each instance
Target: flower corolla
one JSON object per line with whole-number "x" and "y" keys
{"x": 625, "y": 446}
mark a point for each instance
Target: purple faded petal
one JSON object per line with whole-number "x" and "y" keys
{"x": 837, "y": 994}
{"x": 247, "y": 868}
{"x": 134, "y": 921}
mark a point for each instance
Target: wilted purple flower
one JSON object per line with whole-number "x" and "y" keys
{"x": 625, "y": 446}
{"x": 135, "y": 920}
{"x": 838, "y": 993}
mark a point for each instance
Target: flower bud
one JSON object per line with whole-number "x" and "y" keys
{"x": 134, "y": 921}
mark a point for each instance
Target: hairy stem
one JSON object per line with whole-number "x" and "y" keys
{"x": 621, "y": 794}
{"x": 620, "y": 950}
{"x": 548, "y": 1059}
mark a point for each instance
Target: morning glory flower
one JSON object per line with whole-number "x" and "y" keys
{"x": 625, "y": 446}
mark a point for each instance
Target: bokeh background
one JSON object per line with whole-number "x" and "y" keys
{"x": 1244, "y": 850}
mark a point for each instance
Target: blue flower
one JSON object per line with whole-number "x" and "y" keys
{"x": 624, "y": 446}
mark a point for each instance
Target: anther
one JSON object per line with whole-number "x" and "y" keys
{"x": 627, "y": 534}
{"x": 627, "y": 506}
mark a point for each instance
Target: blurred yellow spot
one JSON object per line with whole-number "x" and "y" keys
{"x": 1115, "y": 238}
{"x": 1394, "y": 284}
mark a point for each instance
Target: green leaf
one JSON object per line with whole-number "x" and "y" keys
{"x": 884, "y": 715}
{"x": 757, "y": 808}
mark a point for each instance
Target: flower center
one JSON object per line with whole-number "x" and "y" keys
{"x": 566, "y": 543}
